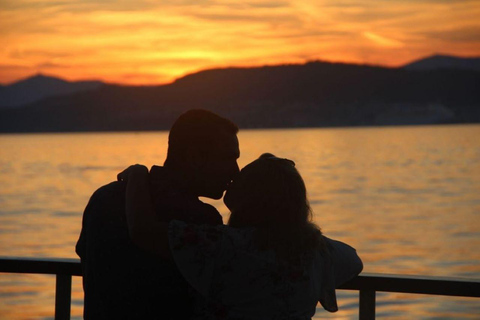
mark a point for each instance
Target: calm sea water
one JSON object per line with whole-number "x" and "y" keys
{"x": 408, "y": 198}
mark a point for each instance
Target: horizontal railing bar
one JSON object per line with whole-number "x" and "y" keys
{"x": 366, "y": 281}
{"x": 415, "y": 284}
{"x": 40, "y": 265}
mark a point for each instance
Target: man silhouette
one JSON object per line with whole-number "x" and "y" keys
{"x": 120, "y": 280}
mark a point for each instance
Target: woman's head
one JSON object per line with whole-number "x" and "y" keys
{"x": 268, "y": 191}
{"x": 269, "y": 194}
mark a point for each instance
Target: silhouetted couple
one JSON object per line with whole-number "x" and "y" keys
{"x": 150, "y": 249}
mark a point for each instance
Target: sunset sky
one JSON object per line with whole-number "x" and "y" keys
{"x": 153, "y": 42}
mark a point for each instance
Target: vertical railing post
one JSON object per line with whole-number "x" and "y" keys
{"x": 367, "y": 305}
{"x": 63, "y": 296}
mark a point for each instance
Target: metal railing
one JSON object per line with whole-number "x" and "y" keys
{"x": 366, "y": 284}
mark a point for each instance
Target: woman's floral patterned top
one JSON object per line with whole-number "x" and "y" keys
{"x": 238, "y": 281}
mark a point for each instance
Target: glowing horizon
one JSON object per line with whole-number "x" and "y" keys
{"x": 140, "y": 42}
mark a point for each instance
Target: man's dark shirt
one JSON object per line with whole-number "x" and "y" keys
{"x": 120, "y": 280}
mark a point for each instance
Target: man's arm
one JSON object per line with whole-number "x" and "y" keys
{"x": 101, "y": 247}
{"x": 92, "y": 206}
{"x": 82, "y": 243}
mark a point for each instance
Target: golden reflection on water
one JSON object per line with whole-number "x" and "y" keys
{"x": 407, "y": 198}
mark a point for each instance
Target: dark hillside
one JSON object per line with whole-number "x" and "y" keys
{"x": 313, "y": 94}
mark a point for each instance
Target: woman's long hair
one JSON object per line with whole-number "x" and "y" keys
{"x": 270, "y": 195}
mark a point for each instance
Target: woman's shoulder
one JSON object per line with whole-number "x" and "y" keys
{"x": 341, "y": 251}
{"x": 345, "y": 262}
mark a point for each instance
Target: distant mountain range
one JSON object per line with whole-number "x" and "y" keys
{"x": 40, "y": 86}
{"x": 444, "y": 62}
{"x": 434, "y": 90}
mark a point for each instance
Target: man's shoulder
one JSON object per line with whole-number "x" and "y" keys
{"x": 115, "y": 189}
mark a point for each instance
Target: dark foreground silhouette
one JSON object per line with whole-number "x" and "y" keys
{"x": 151, "y": 250}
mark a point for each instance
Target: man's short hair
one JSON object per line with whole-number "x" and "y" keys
{"x": 199, "y": 129}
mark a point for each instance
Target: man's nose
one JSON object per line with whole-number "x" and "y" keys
{"x": 236, "y": 168}
{"x": 235, "y": 171}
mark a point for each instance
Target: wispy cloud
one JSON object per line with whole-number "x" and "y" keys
{"x": 383, "y": 41}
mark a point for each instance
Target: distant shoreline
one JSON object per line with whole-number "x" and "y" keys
{"x": 247, "y": 128}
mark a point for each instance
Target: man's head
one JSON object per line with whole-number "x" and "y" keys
{"x": 203, "y": 147}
